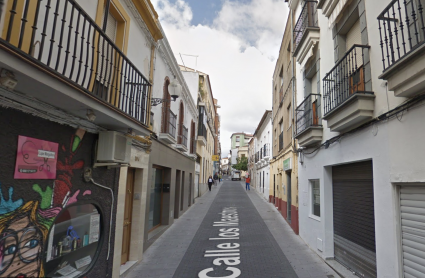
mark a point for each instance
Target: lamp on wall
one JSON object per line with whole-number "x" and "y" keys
{"x": 174, "y": 88}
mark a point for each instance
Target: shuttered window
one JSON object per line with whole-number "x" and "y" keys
{"x": 412, "y": 212}
{"x": 354, "y": 221}
{"x": 353, "y": 36}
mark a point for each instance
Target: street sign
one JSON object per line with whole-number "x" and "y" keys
{"x": 287, "y": 164}
{"x": 215, "y": 158}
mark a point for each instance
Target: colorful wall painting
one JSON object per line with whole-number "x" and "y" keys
{"x": 36, "y": 159}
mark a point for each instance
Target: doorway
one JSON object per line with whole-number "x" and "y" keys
{"x": 190, "y": 190}
{"x": 156, "y": 193}
{"x": 182, "y": 192}
{"x": 289, "y": 195}
{"x": 128, "y": 208}
{"x": 177, "y": 195}
{"x": 274, "y": 189}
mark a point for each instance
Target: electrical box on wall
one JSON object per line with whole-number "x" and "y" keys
{"x": 113, "y": 147}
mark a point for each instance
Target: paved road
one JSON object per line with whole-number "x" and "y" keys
{"x": 230, "y": 232}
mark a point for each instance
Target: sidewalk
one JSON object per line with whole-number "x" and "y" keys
{"x": 165, "y": 254}
{"x": 305, "y": 262}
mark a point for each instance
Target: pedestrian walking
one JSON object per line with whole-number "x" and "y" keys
{"x": 247, "y": 182}
{"x": 210, "y": 182}
{"x": 215, "y": 179}
{"x": 220, "y": 177}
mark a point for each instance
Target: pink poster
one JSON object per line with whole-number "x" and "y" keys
{"x": 36, "y": 159}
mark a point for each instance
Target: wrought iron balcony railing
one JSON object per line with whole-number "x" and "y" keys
{"x": 281, "y": 141}
{"x": 172, "y": 123}
{"x": 202, "y": 130}
{"x": 308, "y": 113}
{"x": 308, "y": 18}
{"x": 266, "y": 150}
{"x": 346, "y": 78}
{"x": 62, "y": 38}
{"x": 401, "y": 30}
{"x": 183, "y": 136}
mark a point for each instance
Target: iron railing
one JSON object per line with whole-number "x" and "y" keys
{"x": 346, "y": 78}
{"x": 172, "y": 123}
{"x": 308, "y": 113}
{"x": 62, "y": 38}
{"x": 183, "y": 137}
{"x": 401, "y": 30}
{"x": 307, "y": 19}
{"x": 266, "y": 150}
{"x": 202, "y": 130}
{"x": 281, "y": 141}
{"x": 193, "y": 145}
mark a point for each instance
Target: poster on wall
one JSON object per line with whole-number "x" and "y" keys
{"x": 36, "y": 159}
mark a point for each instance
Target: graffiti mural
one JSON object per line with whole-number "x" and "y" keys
{"x": 24, "y": 224}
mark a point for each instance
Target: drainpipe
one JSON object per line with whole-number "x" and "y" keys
{"x": 105, "y": 18}
{"x": 293, "y": 79}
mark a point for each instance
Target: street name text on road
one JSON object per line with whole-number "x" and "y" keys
{"x": 227, "y": 253}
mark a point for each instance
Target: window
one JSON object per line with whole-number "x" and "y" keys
{"x": 315, "y": 198}
{"x": 237, "y": 138}
{"x": 289, "y": 113}
{"x": 74, "y": 238}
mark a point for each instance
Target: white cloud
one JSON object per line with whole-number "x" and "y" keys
{"x": 237, "y": 51}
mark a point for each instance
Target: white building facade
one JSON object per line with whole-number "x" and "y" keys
{"x": 263, "y": 154}
{"x": 358, "y": 126}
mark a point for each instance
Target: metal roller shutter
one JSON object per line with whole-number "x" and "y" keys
{"x": 412, "y": 212}
{"x": 354, "y": 221}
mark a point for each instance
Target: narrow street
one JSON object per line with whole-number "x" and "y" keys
{"x": 257, "y": 242}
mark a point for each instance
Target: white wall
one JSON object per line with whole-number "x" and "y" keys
{"x": 395, "y": 147}
{"x": 192, "y": 80}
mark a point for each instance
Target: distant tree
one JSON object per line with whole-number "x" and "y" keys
{"x": 242, "y": 164}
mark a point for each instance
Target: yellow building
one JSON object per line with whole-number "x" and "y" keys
{"x": 284, "y": 164}
{"x": 207, "y": 143}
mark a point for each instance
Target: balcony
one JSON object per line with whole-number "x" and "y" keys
{"x": 281, "y": 141}
{"x": 306, "y": 32}
{"x": 309, "y": 130}
{"x": 168, "y": 135}
{"x": 266, "y": 152}
{"x": 347, "y": 103}
{"x": 202, "y": 134}
{"x": 182, "y": 140}
{"x": 402, "y": 35}
{"x": 60, "y": 56}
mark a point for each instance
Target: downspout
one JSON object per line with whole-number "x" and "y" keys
{"x": 105, "y": 18}
{"x": 293, "y": 81}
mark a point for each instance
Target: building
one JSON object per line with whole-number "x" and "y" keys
{"x": 217, "y": 145}
{"x": 243, "y": 152}
{"x": 224, "y": 165}
{"x": 206, "y": 142}
{"x": 251, "y": 162}
{"x": 359, "y": 127}
{"x": 171, "y": 175}
{"x": 75, "y": 116}
{"x": 283, "y": 165}
{"x": 239, "y": 139}
{"x": 263, "y": 154}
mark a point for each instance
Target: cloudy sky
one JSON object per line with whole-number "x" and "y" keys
{"x": 237, "y": 42}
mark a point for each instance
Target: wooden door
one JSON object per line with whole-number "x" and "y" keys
{"x": 315, "y": 117}
{"x": 128, "y": 207}
{"x": 357, "y": 81}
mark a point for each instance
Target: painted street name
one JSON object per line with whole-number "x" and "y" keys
{"x": 227, "y": 253}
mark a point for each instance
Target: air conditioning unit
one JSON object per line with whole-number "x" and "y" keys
{"x": 113, "y": 147}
